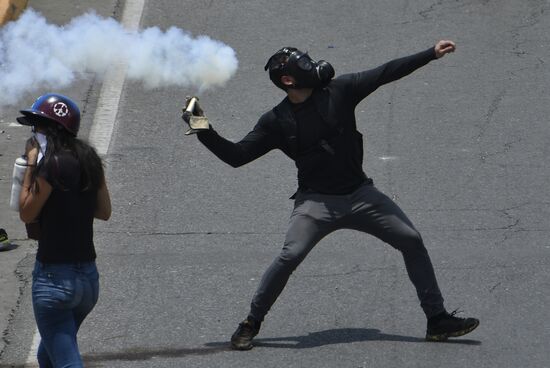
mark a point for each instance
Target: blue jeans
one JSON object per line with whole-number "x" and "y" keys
{"x": 62, "y": 296}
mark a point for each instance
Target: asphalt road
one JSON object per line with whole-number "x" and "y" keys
{"x": 461, "y": 145}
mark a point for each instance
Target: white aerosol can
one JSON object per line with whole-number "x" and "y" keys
{"x": 19, "y": 168}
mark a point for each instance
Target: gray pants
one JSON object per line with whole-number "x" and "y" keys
{"x": 368, "y": 210}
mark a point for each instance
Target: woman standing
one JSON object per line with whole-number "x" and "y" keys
{"x": 63, "y": 191}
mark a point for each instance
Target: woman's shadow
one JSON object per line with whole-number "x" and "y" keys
{"x": 338, "y": 336}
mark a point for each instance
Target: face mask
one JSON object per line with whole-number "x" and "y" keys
{"x": 42, "y": 142}
{"x": 307, "y": 72}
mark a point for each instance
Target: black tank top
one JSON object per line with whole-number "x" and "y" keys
{"x": 66, "y": 220}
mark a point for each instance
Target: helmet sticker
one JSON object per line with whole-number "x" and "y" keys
{"x": 60, "y": 109}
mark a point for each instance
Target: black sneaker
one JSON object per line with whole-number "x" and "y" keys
{"x": 242, "y": 338}
{"x": 446, "y": 325}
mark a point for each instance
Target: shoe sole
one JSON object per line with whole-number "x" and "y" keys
{"x": 445, "y": 336}
{"x": 241, "y": 347}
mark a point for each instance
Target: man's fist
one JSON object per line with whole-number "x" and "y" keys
{"x": 444, "y": 47}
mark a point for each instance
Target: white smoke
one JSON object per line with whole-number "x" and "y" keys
{"x": 35, "y": 54}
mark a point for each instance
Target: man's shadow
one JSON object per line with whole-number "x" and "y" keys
{"x": 338, "y": 336}
{"x": 311, "y": 340}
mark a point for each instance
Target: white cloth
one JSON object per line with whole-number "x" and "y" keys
{"x": 43, "y": 142}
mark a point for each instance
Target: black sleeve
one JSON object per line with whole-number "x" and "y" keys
{"x": 255, "y": 144}
{"x": 366, "y": 82}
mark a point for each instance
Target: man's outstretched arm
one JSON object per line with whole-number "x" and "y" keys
{"x": 253, "y": 145}
{"x": 364, "y": 83}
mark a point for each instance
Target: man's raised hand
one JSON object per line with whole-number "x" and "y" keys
{"x": 444, "y": 47}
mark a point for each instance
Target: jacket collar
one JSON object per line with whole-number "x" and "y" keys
{"x": 322, "y": 103}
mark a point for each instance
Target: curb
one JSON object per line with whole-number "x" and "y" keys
{"x": 10, "y": 9}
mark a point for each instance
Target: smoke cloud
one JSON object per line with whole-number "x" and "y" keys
{"x": 36, "y": 55}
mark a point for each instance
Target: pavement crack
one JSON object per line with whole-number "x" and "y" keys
{"x": 488, "y": 118}
{"x": 494, "y": 287}
{"x": 425, "y": 13}
{"x": 23, "y": 278}
{"x": 180, "y": 233}
{"x": 505, "y": 149}
{"x": 526, "y": 24}
{"x": 117, "y": 9}
{"x": 355, "y": 270}
{"x": 450, "y": 5}
{"x": 89, "y": 92}
{"x": 513, "y": 227}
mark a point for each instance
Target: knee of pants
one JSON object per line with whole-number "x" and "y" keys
{"x": 43, "y": 357}
{"x": 290, "y": 259}
{"x": 410, "y": 241}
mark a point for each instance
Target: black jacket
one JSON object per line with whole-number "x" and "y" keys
{"x": 277, "y": 129}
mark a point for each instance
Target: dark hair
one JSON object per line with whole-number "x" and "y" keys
{"x": 60, "y": 140}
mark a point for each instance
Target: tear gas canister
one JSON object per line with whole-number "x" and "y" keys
{"x": 19, "y": 168}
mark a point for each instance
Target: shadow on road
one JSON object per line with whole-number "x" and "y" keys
{"x": 143, "y": 354}
{"x": 338, "y": 336}
{"x": 311, "y": 340}
{"x": 136, "y": 354}
{"x": 4, "y": 247}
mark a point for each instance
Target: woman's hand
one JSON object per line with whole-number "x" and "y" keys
{"x": 31, "y": 200}
{"x": 31, "y": 151}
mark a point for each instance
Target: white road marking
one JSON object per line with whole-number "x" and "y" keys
{"x": 107, "y": 106}
{"x": 387, "y": 158}
{"x": 105, "y": 115}
{"x": 11, "y": 124}
{"x": 31, "y": 358}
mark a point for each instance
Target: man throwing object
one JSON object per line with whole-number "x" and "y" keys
{"x": 315, "y": 126}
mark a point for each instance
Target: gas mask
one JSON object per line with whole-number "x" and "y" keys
{"x": 307, "y": 72}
